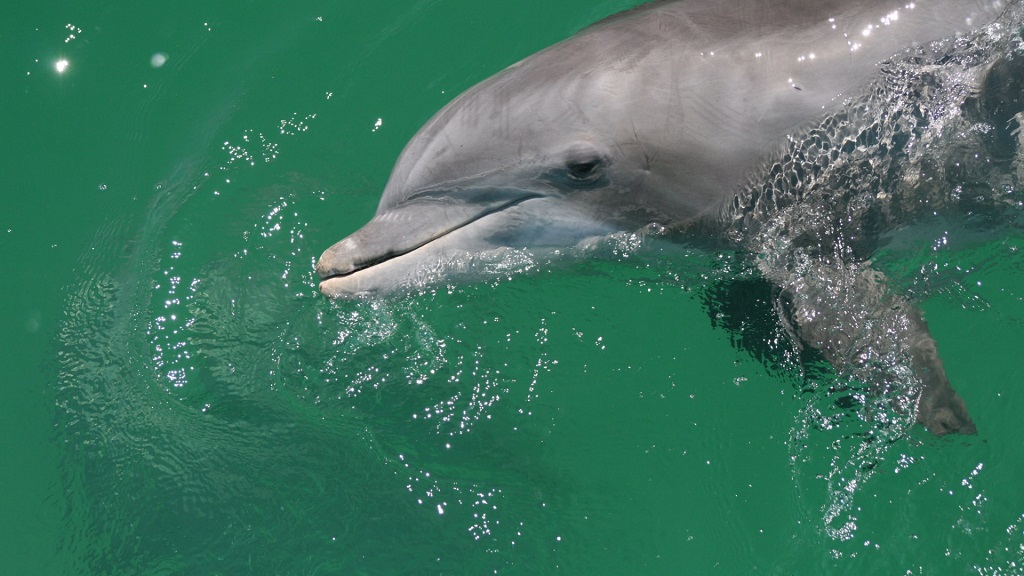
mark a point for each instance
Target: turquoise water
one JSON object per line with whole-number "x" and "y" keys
{"x": 180, "y": 400}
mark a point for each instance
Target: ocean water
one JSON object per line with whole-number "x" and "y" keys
{"x": 179, "y": 399}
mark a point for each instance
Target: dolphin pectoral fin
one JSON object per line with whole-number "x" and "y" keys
{"x": 939, "y": 408}
{"x": 877, "y": 337}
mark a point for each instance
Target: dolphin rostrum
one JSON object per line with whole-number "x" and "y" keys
{"x": 663, "y": 116}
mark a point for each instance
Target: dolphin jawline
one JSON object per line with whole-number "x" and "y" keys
{"x": 360, "y": 265}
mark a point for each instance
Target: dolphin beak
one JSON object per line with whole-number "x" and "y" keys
{"x": 419, "y": 220}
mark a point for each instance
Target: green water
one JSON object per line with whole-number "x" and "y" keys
{"x": 178, "y": 399}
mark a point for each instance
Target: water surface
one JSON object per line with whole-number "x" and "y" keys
{"x": 179, "y": 398}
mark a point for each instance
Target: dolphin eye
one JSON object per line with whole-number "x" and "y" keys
{"x": 583, "y": 170}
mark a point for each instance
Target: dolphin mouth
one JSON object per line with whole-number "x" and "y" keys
{"x": 404, "y": 229}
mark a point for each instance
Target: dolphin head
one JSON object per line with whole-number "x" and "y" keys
{"x": 560, "y": 148}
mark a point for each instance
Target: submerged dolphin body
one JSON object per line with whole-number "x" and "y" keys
{"x": 664, "y": 115}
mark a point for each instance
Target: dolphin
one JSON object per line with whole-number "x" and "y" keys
{"x": 661, "y": 117}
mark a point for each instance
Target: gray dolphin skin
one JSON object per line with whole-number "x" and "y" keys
{"x": 660, "y": 117}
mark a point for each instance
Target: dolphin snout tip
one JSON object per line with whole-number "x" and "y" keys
{"x": 345, "y": 288}
{"x": 325, "y": 289}
{"x": 337, "y": 260}
{"x": 324, "y": 269}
